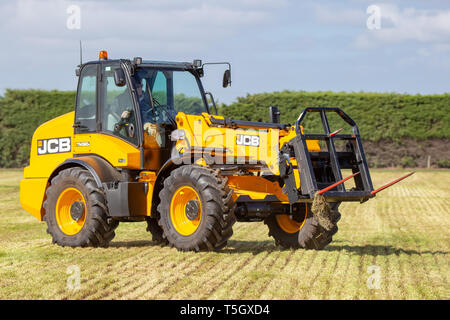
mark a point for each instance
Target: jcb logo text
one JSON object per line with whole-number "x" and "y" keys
{"x": 247, "y": 140}
{"x": 56, "y": 145}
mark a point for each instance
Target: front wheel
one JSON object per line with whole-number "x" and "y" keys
{"x": 300, "y": 230}
{"x": 196, "y": 209}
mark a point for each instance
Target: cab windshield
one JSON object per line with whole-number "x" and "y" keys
{"x": 163, "y": 93}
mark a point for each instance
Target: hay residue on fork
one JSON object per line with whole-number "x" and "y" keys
{"x": 322, "y": 211}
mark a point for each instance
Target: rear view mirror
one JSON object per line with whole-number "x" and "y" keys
{"x": 226, "y": 78}
{"x": 119, "y": 77}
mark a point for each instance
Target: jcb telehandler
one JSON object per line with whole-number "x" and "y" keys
{"x": 145, "y": 144}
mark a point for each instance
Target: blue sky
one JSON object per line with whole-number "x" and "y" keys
{"x": 272, "y": 45}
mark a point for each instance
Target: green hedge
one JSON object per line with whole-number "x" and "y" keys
{"x": 378, "y": 115}
{"x": 21, "y": 112}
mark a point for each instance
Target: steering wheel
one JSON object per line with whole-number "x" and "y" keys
{"x": 149, "y": 115}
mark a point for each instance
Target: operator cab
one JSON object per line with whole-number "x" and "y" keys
{"x": 137, "y": 101}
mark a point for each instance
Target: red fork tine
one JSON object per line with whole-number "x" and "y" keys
{"x": 335, "y": 132}
{"x": 337, "y": 183}
{"x": 391, "y": 183}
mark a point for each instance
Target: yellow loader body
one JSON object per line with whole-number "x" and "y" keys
{"x": 146, "y": 143}
{"x": 201, "y": 135}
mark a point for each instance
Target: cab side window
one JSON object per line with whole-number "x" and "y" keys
{"x": 86, "y": 106}
{"x": 117, "y": 110}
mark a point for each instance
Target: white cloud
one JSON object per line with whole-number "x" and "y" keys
{"x": 339, "y": 15}
{"x": 399, "y": 23}
{"x": 171, "y": 24}
{"x": 286, "y": 41}
{"x": 38, "y": 50}
{"x": 38, "y": 17}
{"x": 408, "y": 24}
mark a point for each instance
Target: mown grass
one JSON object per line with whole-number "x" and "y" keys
{"x": 403, "y": 232}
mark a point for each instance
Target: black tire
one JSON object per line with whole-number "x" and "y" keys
{"x": 314, "y": 236}
{"x": 98, "y": 229}
{"x": 217, "y": 209}
{"x": 156, "y": 231}
{"x": 310, "y": 236}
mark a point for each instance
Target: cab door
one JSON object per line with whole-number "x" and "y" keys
{"x": 117, "y": 112}
{"x": 105, "y": 119}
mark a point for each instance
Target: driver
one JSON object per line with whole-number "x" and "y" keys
{"x": 155, "y": 133}
{"x": 147, "y": 111}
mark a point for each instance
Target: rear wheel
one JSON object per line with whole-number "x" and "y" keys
{"x": 300, "y": 230}
{"x": 155, "y": 230}
{"x": 196, "y": 209}
{"x": 75, "y": 210}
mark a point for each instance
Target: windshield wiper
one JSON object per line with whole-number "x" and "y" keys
{"x": 167, "y": 112}
{"x": 149, "y": 102}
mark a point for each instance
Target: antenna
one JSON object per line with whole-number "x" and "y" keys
{"x": 78, "y": 69}
{"x": 81, "y": 54}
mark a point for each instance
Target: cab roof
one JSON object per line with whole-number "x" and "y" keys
{"x": 149, "y": 63}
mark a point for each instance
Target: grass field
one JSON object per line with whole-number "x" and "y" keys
{"x": 402, "y": 235}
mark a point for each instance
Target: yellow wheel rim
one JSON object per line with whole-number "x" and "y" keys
{"x": 289, "y": 225}
{"x": 63, "y": 217}
{"x": 182, "y": 224}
